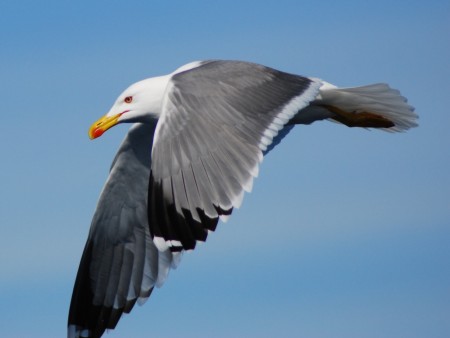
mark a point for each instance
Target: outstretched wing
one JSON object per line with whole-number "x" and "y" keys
{"x": 120, "y": 263}
{"x": 216, "y": 122}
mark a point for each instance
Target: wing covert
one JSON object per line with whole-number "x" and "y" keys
{"x": 216, "y": 122}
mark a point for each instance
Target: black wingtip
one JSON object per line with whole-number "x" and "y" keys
{"x": 166, "y": 222}
{"x": 85, "y": 319}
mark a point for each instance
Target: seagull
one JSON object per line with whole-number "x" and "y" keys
{"x": 198, "y": 137}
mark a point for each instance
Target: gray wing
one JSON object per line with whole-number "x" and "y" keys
{"x": 216, "y": 122}
{"x": 120, "y": 263}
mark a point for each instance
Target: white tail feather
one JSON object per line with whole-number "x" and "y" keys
{"x": 376, "y": 98}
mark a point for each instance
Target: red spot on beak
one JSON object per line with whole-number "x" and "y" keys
{"x": 98, "y": 132}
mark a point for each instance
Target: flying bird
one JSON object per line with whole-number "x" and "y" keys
{"x": 198, "y": 137}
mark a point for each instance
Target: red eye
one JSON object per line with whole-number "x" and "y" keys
{"x": 128, "y": 99}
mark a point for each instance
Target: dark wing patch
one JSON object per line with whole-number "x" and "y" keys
{"x": 120, "y": 263}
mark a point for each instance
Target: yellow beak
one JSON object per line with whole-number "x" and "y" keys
{"x": 101, "y": 125}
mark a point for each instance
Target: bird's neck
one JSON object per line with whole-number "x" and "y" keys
{"x": 154, "y": 89}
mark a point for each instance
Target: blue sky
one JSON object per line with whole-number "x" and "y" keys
{"x": 346, "y": 233}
